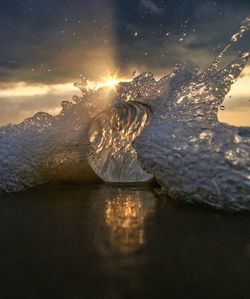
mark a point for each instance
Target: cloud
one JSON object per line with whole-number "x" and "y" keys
{"x": 21, "y": 100}
{"x": 57, "y": 41}
{"x": 16, "y": 110}
{"x": 237, "y": 118}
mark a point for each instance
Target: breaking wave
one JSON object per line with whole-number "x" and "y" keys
{"x": 166, "y": 129}
{"x": 110, "y": 135}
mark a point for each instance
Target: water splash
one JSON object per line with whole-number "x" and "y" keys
{"x": 48, "y": 148}
{"x": 244, "y": 28}
{"x": 171, "y": 123}
{"x": 191, "y": 154}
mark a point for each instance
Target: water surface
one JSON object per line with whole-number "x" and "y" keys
{"x": 103, "y": 241}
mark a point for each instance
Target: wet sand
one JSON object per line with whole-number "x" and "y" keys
{"x": 103, "y": 241}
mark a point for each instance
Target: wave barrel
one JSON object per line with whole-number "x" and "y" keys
{"x": 110, "y": 135}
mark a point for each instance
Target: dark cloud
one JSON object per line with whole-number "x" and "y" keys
{"x": 53, "y": 41}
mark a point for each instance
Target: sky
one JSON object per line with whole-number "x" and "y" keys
{"x": 45, "y": 46}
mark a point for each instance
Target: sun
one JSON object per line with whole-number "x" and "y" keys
{"x": 111, "y": 80}
{"x": 111, "y": 83}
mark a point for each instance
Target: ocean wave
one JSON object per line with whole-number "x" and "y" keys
{"x": 166, "y": 129}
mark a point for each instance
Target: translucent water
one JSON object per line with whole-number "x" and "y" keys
{"x": 144, "y": 128}
{"x": 191, "y": 154}
{"x": 48, "y": 148}
{"x": 110, "y": 136}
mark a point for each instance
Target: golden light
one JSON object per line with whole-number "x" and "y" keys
{"x": 112, "y": 83}
{"x": 23, "y": 89}
{"x": 126, "y": 213}
{"x": 111, "y": 80}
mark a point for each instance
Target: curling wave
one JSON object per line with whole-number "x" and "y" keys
{"x": 110, "y": 135}
{"x": 167, "y": 129}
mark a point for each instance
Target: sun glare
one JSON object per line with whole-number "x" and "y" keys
{"x": 111, "y": 80}
{"x": 111, "y": 83}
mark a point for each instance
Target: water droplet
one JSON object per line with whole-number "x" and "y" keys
{"x": 133, "y": 73}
